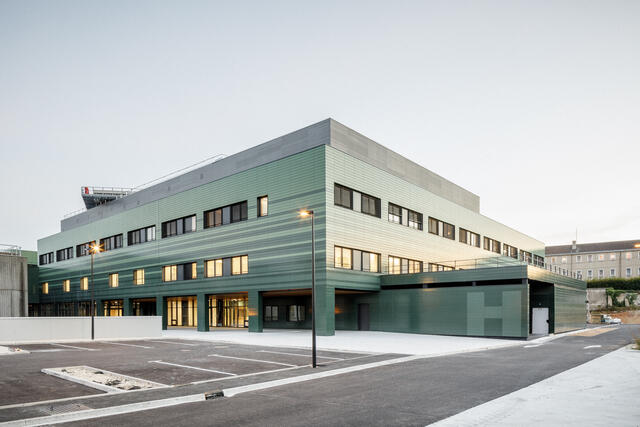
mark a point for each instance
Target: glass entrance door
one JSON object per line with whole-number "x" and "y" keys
{"x": 228, "y": 312}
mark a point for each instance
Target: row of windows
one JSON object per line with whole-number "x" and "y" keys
{"x": 592, "y": 257}
{"x": 230, "y": 266}
{"x": 344, "y": 196}
{"x": 354, "y": 259}
{"x": 213, "y": 218}
{"x": 399, "y": 265}
{"x": 612, "y": 273}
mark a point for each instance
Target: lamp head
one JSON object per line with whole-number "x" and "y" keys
{"x": 94, "y": 249}
{"x": 305, "y": 213}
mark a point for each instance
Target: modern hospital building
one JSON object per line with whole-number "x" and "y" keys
{"x": 397, "y": 248}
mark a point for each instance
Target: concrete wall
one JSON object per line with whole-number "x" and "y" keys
{"x": 59, "y": 329}
{"x": 13, "y": 285}
{"x": 597, "y": 298}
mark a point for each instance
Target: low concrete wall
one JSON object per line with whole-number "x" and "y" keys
{"x": 60, "y": 329}
{"x": 597, "y": 298}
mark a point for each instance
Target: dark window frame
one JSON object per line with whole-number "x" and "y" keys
{"x": 83, "y": 249}
{"x": 339, "y": 201}
{"x": 370, "y": 200}
{"x": 176, "y": 227}
{"x": 111, "y": 242}
{"x": 134, "y": 237}
{"x": 219, "y": 215}
{"x": 45, "y": 259}
{"x": 259, "y": 207}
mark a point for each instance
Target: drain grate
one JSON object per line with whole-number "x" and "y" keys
{"x": 62, "y": 409}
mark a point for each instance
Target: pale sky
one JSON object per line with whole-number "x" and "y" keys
{"x": 532, "y": 105}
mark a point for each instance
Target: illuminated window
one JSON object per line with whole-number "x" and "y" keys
{"x": 138, "y": 277}
{"x": 399, "y": 265}
{"x": 213, "y": 268}
{"x": 84, "y": 284}
{"x": 612, "y": 257}
{"x": 564, "y": 259}
{"x": 239, "y": 265}
{"x": 187, "y": 271}
{"x": 342, "y": 257}
{"x": 439, "y": 267}
{"x": 45, "y": 288}
{"x": 113, "y": 280}
{"x": 66, "y": 285}
{"x": 628, "y": 255}
{"x": 263, "y": 206}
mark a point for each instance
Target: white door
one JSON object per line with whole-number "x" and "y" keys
{"x": 540, "y": 321}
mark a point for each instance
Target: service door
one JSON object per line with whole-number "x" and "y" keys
{"x": 540, "y": 321}
{"x": 363, "y": 317}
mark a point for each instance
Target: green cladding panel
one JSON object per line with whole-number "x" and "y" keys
{"x": 570, "y": 308}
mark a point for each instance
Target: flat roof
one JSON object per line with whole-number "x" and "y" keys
{"x": 619, "y": 245}
{"x": 327, "y": 132}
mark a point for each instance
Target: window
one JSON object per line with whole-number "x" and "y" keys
{"x": 442, "y": 228}
{"x": 526, "y": 256}
{"x": 226, "y": 215}
{"x": 415, "y": 219}
{"x": 342, "y": 196}
{"x": 63, "y": 254}
{"x": 399, "y": 265}
{"x": 612, "y": 272}
{"x": 179, "y": 226}
{"x": 84, "y": 248}
{"x": 590, "y": 258}
{"x": 138, "y": 276}
{"x": 370, "y": 205}
{"x": 564, "y": 259}
{"x": 579, "y": 274}
{"x": 538, "y": 260}
{"x": 589, "y": 274}
{"x": 213, "y": 268}
{"x": 112, "y": 242}
{"x": 66, "y": 285}
{"x": 171, "y": 273}
{"x": 84, "y": 284}
{"x": 439, "y": 267}
{"x": 239, "y": 265}
{"x": 113, "y": 280}
{"x": 45, "y": 288}
{"x": 578, "y": 258}
{"x": 600, "y": 274}
{"x": 491, "y": 245}
{"x": 295, "y": 313}
{"x": 612, "y": 257}
{"x": 628, "y": 272}
{"x": 628, "y": 255}
{"x": 263, "y": 207}
{"x": 395, "y": 213}
{"x": 510, "y": 251}
{"x": 46, "y": 258}
{"x": 141, "y": 235}
{"x": 469, "y": 237}
{"x": 355, "y": 259}
{"x": 600, "y": 257}
{"x": 271, "y": 313}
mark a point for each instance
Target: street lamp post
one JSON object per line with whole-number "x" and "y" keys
{"x": 304, "y": 214}
{"x": 94, "y": 249}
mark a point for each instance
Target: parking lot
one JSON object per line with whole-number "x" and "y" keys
{"x": 178, "y": 367}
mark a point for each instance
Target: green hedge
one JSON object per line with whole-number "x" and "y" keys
{"x": 632, "y": 284}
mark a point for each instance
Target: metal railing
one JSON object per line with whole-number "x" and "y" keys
{"x": 14, "y": 250}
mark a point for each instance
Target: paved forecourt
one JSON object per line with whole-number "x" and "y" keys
{"x": 177, "y": 366}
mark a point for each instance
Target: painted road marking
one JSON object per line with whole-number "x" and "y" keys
{"x": 128, "y": 345}
{"x": 297, "y": 354}
{"x": 251, "y": 360}
{"x": 73, "y": 346}
{"x": 532, "y": 345}
{"x": 199, "y": 397}
{"x": 192, "y": 367}
{"x": 353, "y": 358}
{"x": 51, "y": 350}
{"x": 248, "y": 375}
{"x": 593, "y": 346}
{"x": 176, "y": 343}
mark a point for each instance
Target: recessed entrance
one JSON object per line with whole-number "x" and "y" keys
{"x": 228, "y": 311}
{"x": 143, "y": 307}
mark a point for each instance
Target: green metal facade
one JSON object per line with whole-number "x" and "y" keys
{"x": 279, "y": 254}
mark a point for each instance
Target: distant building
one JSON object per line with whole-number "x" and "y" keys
{"x": 601, "y": 260}
{"x": 18, "y": 268}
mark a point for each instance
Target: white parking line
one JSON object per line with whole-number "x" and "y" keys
{"x": 73, "y": 346}
{"x": 296, "y": 354}
{"x": 248, "y": 375}
{"x": 192, "y": 367}
{"x": 176, "y": 343}
{"x": 593, "y": 346}
{"x": 251, "y": 360}
{"x": 128, "y": 345}
{"x": 532, "y": 345}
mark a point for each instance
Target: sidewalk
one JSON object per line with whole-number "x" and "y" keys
{"x": 601, "y": 392}
{"x": 356, "y": 341}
